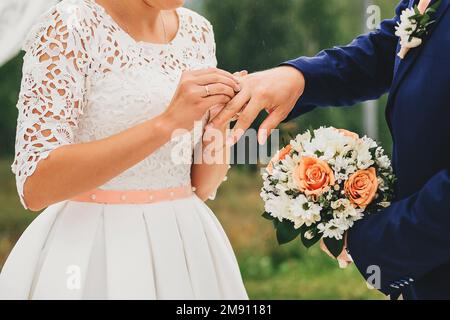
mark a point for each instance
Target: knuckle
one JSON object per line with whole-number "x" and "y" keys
{"x": 244, "y": 118}
{"x": 225, "y": 99}
{"x": 234, "y": 106}
{"x": 227, "y": 90}
{"x": 228, "y": 114}
{"x": 185, "y": 84}
{"x": 190, "y": 90}
{"x": 186, "y": 75}
{"x": 261, "y": 93}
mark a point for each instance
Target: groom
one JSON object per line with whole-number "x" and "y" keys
{"x": 409, "y": 243}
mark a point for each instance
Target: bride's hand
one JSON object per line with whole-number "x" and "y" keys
{"x": 199, "y": 91}
{"x": 214, "y": 111}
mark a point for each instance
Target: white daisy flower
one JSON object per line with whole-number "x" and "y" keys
{"x": 304, "y": 211}
{"x": 278, "y": 206}
{"x": 330, "y": 230}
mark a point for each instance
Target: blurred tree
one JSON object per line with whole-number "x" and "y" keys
{"x": 256, "y": 35}
{"x": 10, "y": 75}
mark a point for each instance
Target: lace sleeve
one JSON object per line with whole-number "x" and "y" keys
{"x": 208, "y": 30}
{"x": 52, "y": 94}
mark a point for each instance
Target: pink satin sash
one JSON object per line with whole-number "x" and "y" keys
{"x": 134, "y": 196}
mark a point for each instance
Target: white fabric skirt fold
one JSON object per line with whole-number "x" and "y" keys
{"x": 175, "y": 250}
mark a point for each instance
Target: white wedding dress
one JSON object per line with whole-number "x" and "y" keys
{"x": 85, "y": 79}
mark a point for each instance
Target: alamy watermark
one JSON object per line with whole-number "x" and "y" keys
{"x": 212, "y": 147}
{"x": 73, "y": 280}
{"x": 373, "y": 20}
{"x": 374, "y": 279}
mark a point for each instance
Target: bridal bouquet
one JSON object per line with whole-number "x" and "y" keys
{"x": 322, "y": 182}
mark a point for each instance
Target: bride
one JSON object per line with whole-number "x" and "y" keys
{"x": 105, "y": 83}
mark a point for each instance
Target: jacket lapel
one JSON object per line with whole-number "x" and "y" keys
{"x": 402, "y": 66}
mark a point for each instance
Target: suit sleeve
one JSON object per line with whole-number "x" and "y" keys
{"x": 407, "y": 240}
{"x": 343, "y": 76}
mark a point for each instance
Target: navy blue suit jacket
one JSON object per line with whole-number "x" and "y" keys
{"x": 410, "y": 241}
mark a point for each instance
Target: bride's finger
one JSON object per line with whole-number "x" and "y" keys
{"x": 209, "y": 79}
{"x": 218, "y": 88}
{"x": 216, "y": 71}
{"x": 227, "y": 74}
{"x": 242, "y": 73}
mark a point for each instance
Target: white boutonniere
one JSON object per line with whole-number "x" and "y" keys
{"x": 414, "y": 25}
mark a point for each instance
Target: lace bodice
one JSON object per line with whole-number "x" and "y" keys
{"x": 85, "y": 79}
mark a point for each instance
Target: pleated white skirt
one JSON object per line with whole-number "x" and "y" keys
{"x": 169, "y": 250}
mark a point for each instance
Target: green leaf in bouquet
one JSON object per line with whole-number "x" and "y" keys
{"x": 334, "y": 246}
{"x": 436, "y": 6}
{"x": 319, "y": 153}
{"x": 286, "y": 232}
{"x": 275, "y": 222}
{"x": 292, "y": 193}
{"x": 310, "y": 238}
{"x": 268, "y": 216}
{"x": 425, "y": 19}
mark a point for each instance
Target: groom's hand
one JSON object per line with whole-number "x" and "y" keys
{"x": 276, "y": 91}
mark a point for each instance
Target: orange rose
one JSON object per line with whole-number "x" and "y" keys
{"x": 348, "y": 134}
{"x": 313, "y": 176}
{"x": 361, "y": 187}
{"x": 281, "y": 155}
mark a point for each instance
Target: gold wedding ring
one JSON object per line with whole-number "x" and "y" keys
{"x": 208, "y": 93}
{"x": 236, "y": 116}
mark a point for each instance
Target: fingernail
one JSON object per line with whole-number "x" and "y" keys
{"x": 237, "y": 136}
{"x": 230, "y": 140}
{"x": 237, "y": 88}
{"x": 262, "y": 138}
